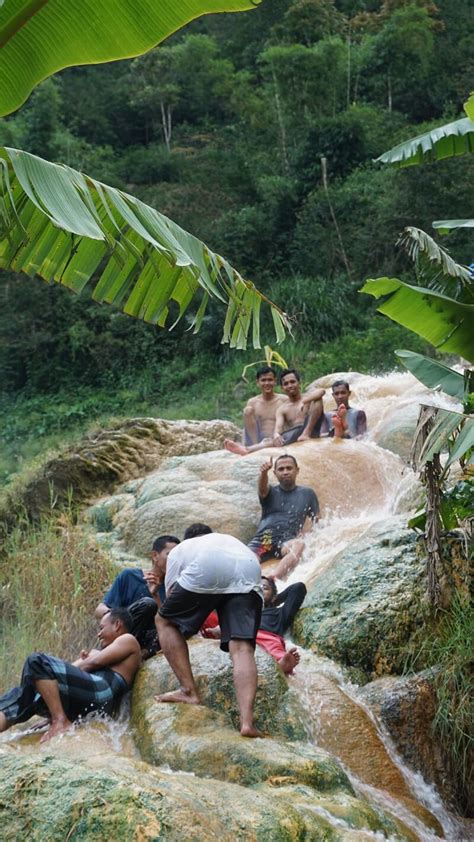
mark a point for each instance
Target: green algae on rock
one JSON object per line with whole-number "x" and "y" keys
{"x": 365, "y": 608}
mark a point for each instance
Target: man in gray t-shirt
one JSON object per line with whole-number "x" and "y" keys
{"x": 288, "y": 510}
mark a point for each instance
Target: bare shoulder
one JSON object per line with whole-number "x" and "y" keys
{"x": 254, "y": 400}
{"x": 281, "y": 398}
{"x": 130, "y": 641}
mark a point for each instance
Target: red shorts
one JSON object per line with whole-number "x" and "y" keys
{"x": 272, "y": 643}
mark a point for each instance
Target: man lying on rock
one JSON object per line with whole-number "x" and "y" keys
{"x": 288, "y": 511}
{"x": 210, "y": 571}
{"x": 279, "y": 611}
{"x": 63, "y": 691}
{"x": 142, "y": 592}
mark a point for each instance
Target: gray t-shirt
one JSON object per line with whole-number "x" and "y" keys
{"x": 284, "y": 513}
{"x": 356, "y": 422}
{"x": 213, "y": 563}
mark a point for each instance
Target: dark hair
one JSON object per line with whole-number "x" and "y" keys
{"x": 284, "y": 456}
{"x": 265, "y": 369}
{"x": 123, "y": 616}
{"x": 195, "y": 530}
{"x": 289, "y": 371}
{"x": 160, "y": 543}
{"x": 272, "y": 584}
{"x": 341, "y": 383}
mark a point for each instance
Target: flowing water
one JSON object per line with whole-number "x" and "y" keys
{"x": 359, "y": 484}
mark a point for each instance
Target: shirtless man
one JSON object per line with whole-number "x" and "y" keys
{"x": 96, "y": 681}
{"x": 260, "y": 411}
{"x": 297, "y": 419}
{"x": 345, "y": 422}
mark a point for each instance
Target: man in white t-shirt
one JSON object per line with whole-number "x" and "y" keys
{"x": 209, "y": 571}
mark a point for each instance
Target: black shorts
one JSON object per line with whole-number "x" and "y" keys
{"x": 239, "y": 613}
{"x": 265, "y": 549}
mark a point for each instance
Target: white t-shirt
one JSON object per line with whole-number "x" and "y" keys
{"x": 213, "y": 563}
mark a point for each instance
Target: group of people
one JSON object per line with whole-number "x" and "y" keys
{"x": 208, "y": 582}
{"x": 275, "y": 420}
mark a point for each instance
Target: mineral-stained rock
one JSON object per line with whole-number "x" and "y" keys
{"x": 46, "y": 798}
{"x": 407, "y": 707}
{"x": 105, "y": 458}
{"x": 396, "y": 433}
{"x": 364, "y": 609}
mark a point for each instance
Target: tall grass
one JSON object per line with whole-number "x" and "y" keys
{"x": 51, "y": 578}
{"x": 449, "y": 648}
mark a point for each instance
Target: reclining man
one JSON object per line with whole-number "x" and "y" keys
{"x": 297, "y": 419}
{"x": 279, "y": 611}
{"x": 206, "y": 572}
{"x": 142, "y": 592}
{"x": 63, "y": 691}
{"x": 288, "y": 511}
{"x": 260, "y": 411}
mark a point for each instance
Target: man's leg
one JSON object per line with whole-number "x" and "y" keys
{"x": 176, "y": 652}
{"x": 241, "y": 450}
{"x": 245, "y": 682}
{"x": 49, "y": 692}
{"x": 291, "y": 556}
{"x": 314, "y": 416}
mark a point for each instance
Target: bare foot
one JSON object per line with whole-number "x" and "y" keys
{"x": 289, "y": 661}
{"x": 338, "y": 426}
{"x": 235, "y": 447}
{"x": 303, "y": 437}
{"x": 183, "y": 696}
{"x": 250, "y": 731}
{"x": 57, "y": 727}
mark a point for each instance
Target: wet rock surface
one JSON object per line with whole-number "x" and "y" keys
{"x": 365, "y": 608}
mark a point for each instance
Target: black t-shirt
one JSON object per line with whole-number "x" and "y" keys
{"x": 277, "y": 618}
{"x": 284, "y": 512}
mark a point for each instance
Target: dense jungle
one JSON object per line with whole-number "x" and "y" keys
{"x": 258, "y": 133}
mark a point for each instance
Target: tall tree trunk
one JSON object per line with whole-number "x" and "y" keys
{"x": 166, "y": 124}
{"x": 333, "y": 215}
{"x": 281, "y": 125}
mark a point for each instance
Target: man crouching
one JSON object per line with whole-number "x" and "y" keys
{"x": 210, "y": 571}
{"x": 64, "y": 691}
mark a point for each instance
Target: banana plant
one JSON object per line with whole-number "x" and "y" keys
{"x": 40, "y": 37}
{"x": 70, "y": 229}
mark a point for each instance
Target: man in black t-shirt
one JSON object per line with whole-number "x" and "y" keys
{"x": 288, "y": 511}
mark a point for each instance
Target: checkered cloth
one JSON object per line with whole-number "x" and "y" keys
{"x": 81, "y": 692}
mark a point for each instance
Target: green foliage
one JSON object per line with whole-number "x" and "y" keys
{"x": 433, "y": 373}
{"x": 53, "y": 611}
{"x": 448, "y": 648}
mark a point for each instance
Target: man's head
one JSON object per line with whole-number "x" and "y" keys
{"x": 269, "y": 590}
{"x": 117, "y": 621}
{"x": 195, "y": 530}
{"x": 290, "y": 382}
{"x": 162, "y": 546}
{"x": 341, "y": 392}
{"x": 266, "y": 379}
{"x": 286, "y": 471}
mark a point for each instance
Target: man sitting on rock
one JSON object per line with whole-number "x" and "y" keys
{"x": 345, "y": 422}
{"x": 142, "y": 593}
{"x": 288, "y": 511}
{"x": 260, "y": 411}
{"x": 206, "y": 572}
{"x": 279, "y": 611}
{"x": 297, "y": 419}
{"x": 64, "y": 691}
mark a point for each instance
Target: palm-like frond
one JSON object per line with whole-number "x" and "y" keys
{"x": 446, "y": 225}
{"x": 447, "y": 141}
{"x": 39, "y": 37}
{"x": 68, "y": 228}
{"x": 435, "y": 267}
{"x": 439, "y": 319}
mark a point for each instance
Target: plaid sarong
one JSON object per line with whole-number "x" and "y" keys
{"x": 81, "y": 692}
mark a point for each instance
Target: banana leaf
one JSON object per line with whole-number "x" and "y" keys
{"x": 70, "y": 229}
{"x": 446, "y": 423}
{"x": 446, "y": 225}
{"x": 447, "y": 141}
{"x": 446, "y": 323}
{"x": 433, "y": 374}
{"x": 464, "y": 443}
{"x": 40, "y": 37}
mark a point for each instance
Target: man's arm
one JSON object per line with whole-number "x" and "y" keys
{"x": 314, "y": 395}
{"x": 116, "y": 652}
{"x": 361, "y": 423}
{"x": 113, "y": 597}
{"x": 101, "y": 609}
{"x": 263, "y": 484}
{"x": 280, "y": 419}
